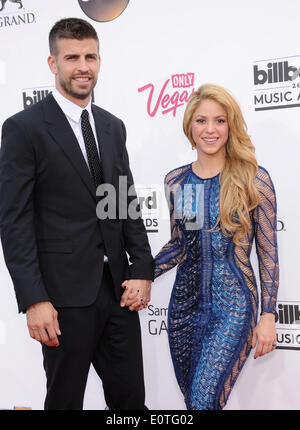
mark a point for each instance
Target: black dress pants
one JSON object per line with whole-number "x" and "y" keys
{"x": 105, "y": 335}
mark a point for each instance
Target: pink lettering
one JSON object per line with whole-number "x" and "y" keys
{"x": 184, "y": 80}
{"x": 153, "y": 113}
{"x": 174, "y": 100}
{"x": 168, "y": 102}
{"x": 165, "y": 101}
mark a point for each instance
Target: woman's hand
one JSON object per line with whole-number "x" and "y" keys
{"x": 264, "y": 335}
{"x": 137, "y": 294}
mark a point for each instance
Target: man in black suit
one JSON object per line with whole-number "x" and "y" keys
{"x": 67, "y": 265}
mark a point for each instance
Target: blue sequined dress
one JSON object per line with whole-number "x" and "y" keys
{"x": 214, "y": 301}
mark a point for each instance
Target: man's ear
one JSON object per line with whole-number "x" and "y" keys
{"x": 52, "y": 64}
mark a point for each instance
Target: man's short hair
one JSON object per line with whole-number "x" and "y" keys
{"x": 70, "y": 28}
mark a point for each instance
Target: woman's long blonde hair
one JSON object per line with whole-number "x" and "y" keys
{"x": 238, "y": 193}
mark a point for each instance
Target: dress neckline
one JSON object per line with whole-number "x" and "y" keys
{"x": 199, "y": 177}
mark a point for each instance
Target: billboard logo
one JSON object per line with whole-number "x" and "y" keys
{"x": 276, "y": 83}
{"x": 103, "y": 10}
{"x": 175, "y": 92}
{"x": 287, "y": 317}
{"x": 32, "y": 96}
{"x": 275, "y": 72}
{"x": 147, "y": 198}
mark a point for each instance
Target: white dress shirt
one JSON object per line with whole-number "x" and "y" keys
{"x": 73, "y": 113}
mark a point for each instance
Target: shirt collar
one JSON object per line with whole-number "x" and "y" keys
{"x": 70, "y": 109}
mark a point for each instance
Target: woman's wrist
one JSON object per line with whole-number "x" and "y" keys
{"x": 268, "y": 315}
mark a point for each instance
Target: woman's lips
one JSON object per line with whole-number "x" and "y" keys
{"x": 210, "y": 140}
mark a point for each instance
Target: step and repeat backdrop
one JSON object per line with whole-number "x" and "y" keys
{"x": 154, "y": 55}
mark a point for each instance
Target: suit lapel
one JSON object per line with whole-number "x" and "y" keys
{"x": 61, "y": 131}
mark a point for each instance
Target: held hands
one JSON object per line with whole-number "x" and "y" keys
{"x": 43, "y": 324}
{"x": 264, "y": 335}
{"x": 136, "y": 295}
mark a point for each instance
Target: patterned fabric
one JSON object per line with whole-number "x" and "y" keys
{"x": 214, "y": 302}
{"x": 91, "y": 148}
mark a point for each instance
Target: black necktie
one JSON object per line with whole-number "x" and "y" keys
{"x": 91, "y": 148}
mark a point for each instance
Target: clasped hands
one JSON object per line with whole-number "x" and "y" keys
{"x": 136, "y": 295}
{"x": 42, "y": 317}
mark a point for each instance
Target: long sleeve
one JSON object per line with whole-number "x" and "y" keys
{"x": 265, "y": 219}
{"x": 17, "y": 179}
{"x": 174, "y": 251}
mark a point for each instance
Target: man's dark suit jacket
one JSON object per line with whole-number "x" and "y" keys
{"x": 52, "y": 240}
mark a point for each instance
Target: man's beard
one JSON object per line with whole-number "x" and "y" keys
{"x": 67, "y": 87}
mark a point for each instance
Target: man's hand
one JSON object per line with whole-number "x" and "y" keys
{"x": 43, "y": 324}
{"x": 137, "y": 294}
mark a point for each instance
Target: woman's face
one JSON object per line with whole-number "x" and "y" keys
{"x": 210, "y": 128}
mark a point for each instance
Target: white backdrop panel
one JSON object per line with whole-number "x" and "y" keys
{"x": 218, "y": 42}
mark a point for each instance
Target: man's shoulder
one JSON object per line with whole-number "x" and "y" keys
{"x": 105, "y": 114}
{"x": 30, "y": 114}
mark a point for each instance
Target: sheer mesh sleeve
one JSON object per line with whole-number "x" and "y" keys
{"x": 265, "y": 219}
{"x": 173, "y": 251}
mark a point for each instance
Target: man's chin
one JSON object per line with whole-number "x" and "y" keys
{"x": 76, "y": 92}
{"x": 81, "y": 96}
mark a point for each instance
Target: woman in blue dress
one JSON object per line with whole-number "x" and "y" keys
{"x": 218, "y": 205}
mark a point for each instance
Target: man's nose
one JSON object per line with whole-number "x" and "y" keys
{"x": 82, "y": 65}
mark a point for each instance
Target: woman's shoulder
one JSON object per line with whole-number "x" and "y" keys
{"x": 175, "y": 175}
{"x": 263, "y": 179}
